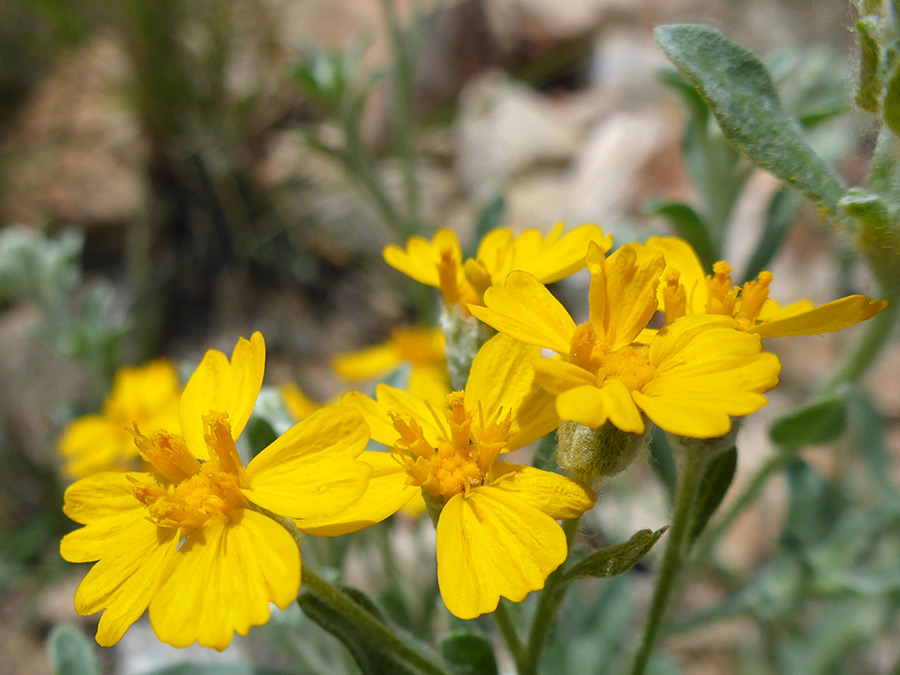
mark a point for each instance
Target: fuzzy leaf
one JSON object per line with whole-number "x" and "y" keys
{"x": 714, "y": 483}
{"x": 818, "y": 422}
{"x": 71, "y": 653}
{"x": 471, "y": 654}
{"x": 868, "y": 92}
{"x": 618, "y": 558}
{"x": 740, "y": 92}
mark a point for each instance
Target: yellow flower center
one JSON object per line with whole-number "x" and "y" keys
{"x": 630, "y": 364}
{"x": 465, "y": 453}
{"x": 187, "y": 492}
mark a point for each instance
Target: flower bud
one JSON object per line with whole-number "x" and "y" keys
{"x": 592, "y": 454}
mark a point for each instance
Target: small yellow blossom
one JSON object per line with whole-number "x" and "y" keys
{"x": 421, "y": 348}
{"x": 690, "y": 380}
{"x": 147, "y": 394}
{"x": 686, "y": 291}
{"x": 497, "y": 534}
{"x": 191, "y": 538}
{"x": 440, "y": 263}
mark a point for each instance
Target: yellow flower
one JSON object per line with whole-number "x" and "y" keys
{"x": 190, "y": 538}
{"x": 439, "y": 263}
{"x": 690, "y": 380}
{"x": 686, "y": 290}
{"x": 496, "y": 530}
{"x": 146, "y": 394}
{"x": 422, "y": 348}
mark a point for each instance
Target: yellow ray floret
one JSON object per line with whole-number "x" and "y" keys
{"x": 690, "y": 380}
{"x": 686, "y": 290}
{"x": 497, "y": 534}
{"x": 421, "y": 348}
{"x": 440, "y": 263}
{"x": 191, "y": 538}
{"x": 147, "y": 394}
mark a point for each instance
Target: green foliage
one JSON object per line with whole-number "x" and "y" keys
{"x": 689, "y": 225}
{"x": 818, "y": 422}
{"x": 616, "y": 559}
{"x": 471, "y": 654}
{"x": 779, "y": 217}
{"x": 717, "y": 476}
{"x": 71, "y": 653}
{"x": 869, "y": 89}
{"x": 740, "y": 92}
{"x": 215, "y": 669}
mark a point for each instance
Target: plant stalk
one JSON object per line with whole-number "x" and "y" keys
{"x": 673, "y": 557}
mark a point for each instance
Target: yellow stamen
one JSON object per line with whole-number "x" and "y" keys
{"x": 722, "y": 296}
{"x": 167, "y": 453}
{"x": 629, "y": 365}
{"x": 753, "y": 296}
{"x": 220, "y": 445}
{"x": 674, "y": 296}
{"x": 586, "y": 349}
{"x": 447, "y": 268}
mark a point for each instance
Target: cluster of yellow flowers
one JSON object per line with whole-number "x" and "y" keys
{"x": 207, "y": 543}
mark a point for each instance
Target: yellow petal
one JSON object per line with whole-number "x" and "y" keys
{"x": 682, "y": 258}
{"x": 224, "y": 386}
{"x": 502, "y": 380}
{"x": 421, "y": 257}
{"x": 559, "y": 497}
{"x": 525, "y": 310}
{"x": 411, "y": 407}
{"x": 101, "y": 496}
{"x": 311, "y": 470}
{"x": 386, "y": 494}
{"x": 124, "y": 580}
{"x": 559, "y": 255}
{"x": 92, "y": 443}
{"x": 429, "y": 383}
{"x": 623, "y": 294}
{"x": 222, "y": 580}
{"x": 367, "y": 363}
{"x": 299, "y": 405}
{"x": 707, "y": 372}
{"x": 557, "y": 376}
{"x": 592, "y": 406}
{"x": 492, "y": 544}
{"x": 497, "y": 254}
{"x": 826, "y": 318}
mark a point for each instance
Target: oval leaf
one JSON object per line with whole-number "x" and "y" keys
{"x": 819, "y": 422}
{"x": 618, "y": 558}
{"x": 71, "y": 653}
{"x": 714, "y": 483}
{"x": 471, "y": 654}
{"x": 741, "y": 95}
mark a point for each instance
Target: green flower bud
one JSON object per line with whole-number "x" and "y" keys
{"x": 592, "y": 454}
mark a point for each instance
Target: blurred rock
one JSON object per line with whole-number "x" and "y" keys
{"x": 74, "y": 154}
{"x": 503, "y": 129}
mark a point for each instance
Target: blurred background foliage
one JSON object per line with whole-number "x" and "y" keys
{"x": 177, "y": 173}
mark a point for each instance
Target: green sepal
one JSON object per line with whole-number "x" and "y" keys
{"x": 616, "y": 559}
{"x": 470, "y": 654}
{"x": 71, "y": 653}
{"x": 740, "y": 92}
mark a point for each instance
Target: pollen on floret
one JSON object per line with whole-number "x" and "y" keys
{"x": 675, "y": 296}
{"x": 220, "y": 444}
{"x": 722, "y": 295}
{"x": 468, "y": 448}
{"x": 753, "y": 295}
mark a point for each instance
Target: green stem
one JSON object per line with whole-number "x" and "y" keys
{"x": 510, "y": 635}
{"x": 856, "y": 364}
{"x": 403, "y": 85}
{"x": 545, "y": 614}
{"x": 673, "y": 557}
{"x": 368, "y": 625}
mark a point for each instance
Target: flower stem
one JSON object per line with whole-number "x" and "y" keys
{"x": 510, "y": 635}
{"x": 673, "y": 557}
{"x": 545, "y": 614}
{"x": 366, "y": 624}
